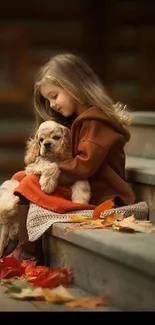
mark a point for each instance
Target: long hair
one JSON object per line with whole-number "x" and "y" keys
{"x": 72, "y": 74}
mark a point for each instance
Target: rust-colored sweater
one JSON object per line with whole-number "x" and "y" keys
{"x": 98, "y": 155}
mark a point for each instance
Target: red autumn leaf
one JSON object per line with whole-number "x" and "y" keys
{"x": 52, "y": 278}
{"x": 108, "y": 204}
{"x": 31, "y": 270}
{"x": 10, "y": 267}
{"x": 28, "y": 264}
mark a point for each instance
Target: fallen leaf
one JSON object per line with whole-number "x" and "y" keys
{"x": 79, "y": 218}
{"x": 27, "y": 293}
{"x": 109, "y": 220}
{"x": 32, "y": 271}
{"x": 108, "y": 204}
{"x": 106, "y": 222}
{"x": 40, "y": 276}
{"x": 10, "y": 267}
{"x": 130, "y": 224}
{"x": 18, "y": 285}
{"x": 57, "y": 296}
{"x": 89, "y": 302}
{"x": 51, "y": 278}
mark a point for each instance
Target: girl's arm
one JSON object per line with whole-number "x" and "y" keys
{"x": 96, "y": 140}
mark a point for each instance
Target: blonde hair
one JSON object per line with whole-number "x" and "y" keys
{"x": 72, "y": 74}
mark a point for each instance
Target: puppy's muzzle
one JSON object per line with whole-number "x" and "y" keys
{"x": 47, "y": 146}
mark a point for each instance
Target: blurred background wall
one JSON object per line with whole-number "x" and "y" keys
{"x": 116, "y": 37}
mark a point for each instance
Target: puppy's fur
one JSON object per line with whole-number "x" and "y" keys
{"x": 8, "y": 213}
{"x": 52, "y": 144}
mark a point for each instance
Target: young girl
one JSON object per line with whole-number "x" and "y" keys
{"x": 68, "y": 91}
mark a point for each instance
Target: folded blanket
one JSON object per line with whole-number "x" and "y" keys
{"x": 40, "y": 219}
{"x": 59, "y": 201}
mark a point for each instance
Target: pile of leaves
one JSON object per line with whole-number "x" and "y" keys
{"x": 25, "y": 280}
{"x": 114, "y": 221}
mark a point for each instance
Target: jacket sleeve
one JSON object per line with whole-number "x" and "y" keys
{"x": 96, "y": 141}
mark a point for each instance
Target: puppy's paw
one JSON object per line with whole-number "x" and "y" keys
{"x": 32, "y": 169}
{"x": 81, "y": 192}
{"x": 49, "y": 179}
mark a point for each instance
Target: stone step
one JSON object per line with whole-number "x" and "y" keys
{"x": 142, "y": 131}
{"x": 120, "y": 265}
{"x": 140, "y": 172}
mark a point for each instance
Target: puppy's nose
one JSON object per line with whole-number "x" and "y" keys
{"x": 47, "y": 145}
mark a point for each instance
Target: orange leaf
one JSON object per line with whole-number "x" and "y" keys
{"x": 108, "y": 204}
{"x": 80, "y": 218}
{"x": 34, "y": 272}
{"x": 94, "y": 224}
{"x": 89, "y": 302}
{"x": 109, "y": 220}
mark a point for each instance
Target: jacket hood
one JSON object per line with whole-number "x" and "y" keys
{"x": 95, "y": 113}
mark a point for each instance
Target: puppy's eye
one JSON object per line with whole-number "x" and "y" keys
{"x": 41, "y": 140}
{"x": 56, "y": 137}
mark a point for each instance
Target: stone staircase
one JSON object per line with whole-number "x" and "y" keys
{"x": 140, "y": 163}
{"x": 121, "y": 265}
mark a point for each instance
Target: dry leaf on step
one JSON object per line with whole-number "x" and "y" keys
{"x": 58, "y": 295}
{"x": 107, "y": 222}
{"x": 27, "y": 293}
{"x": 132, "y": 225}
{"x": 89, "y": 302}
{"x": 79, "y": 218}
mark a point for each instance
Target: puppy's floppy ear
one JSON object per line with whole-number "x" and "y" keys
{"x": 65, "y": 150}
{"x": 32, "y": 151}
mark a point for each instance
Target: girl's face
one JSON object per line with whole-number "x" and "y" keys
{"x": 59, "y": 99}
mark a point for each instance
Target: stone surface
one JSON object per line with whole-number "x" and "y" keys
{"x": 119, "y": 265}
{"x": 142, "y": 141}
{"x": 142, "y": 130}
{"x": 131, "y": 250}
{"x": 143, "y": 118}
{"x": 140, "y": 172}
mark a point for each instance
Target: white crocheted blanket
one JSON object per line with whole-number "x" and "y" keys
{"x": 40, "y": 219}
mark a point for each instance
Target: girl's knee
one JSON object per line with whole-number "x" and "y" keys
{"x": 19, "y": 175}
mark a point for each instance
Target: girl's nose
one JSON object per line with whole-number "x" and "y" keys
{"x": 52, "y": 105}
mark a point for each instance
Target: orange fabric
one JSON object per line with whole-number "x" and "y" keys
{"x": 58, "y": 202}
{"x": 19, "y": 175}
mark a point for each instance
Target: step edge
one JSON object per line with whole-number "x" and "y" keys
{"x": 143, "y": 262}
{"x": 140, "y": 170}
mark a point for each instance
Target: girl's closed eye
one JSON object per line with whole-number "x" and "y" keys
{"x": 55, "y": 96}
